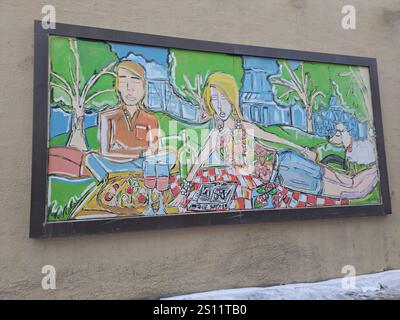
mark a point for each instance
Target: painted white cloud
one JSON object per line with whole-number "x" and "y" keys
{"x": 153, "y": 69}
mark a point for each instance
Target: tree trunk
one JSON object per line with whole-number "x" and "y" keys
{"x": 77, "y": 137}
{"x": 310, "y": 128}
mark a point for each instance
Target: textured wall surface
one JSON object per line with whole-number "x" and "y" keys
{"x": 159, "y": 263}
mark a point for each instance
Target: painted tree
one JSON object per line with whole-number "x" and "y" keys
{"x": 81, "y": 79}
{"x": 293, "y": 84}
{"x": 189, "y": 71}
{"x": 312, "y": 84}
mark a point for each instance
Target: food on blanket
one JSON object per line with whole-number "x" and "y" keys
{"x": 108, "y": 196}
{"x": 123, "y": 194}
{"x": 261, "y": 201}
{"x": 129, "y": 189}
{"x": 119, "y": 205}
{"x": 262, "y": 172}
{"x": 142, "y": 198}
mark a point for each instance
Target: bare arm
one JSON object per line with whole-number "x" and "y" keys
{"x": 255, "y": 131}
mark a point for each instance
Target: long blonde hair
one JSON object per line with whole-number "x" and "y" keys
{"x": 227, "y": 85}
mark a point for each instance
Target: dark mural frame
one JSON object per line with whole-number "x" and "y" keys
{"x": 40, "y": 228}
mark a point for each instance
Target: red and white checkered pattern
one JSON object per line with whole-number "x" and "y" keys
{"x": 284, "y": 198}
{"x": 245, "y": 184}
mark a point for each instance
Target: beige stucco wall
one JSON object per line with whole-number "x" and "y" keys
{"x": 159, "y": 263}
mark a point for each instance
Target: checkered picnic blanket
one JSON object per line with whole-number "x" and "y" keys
{"x": 285, "y": 198}
{"x": 243, "y": 199}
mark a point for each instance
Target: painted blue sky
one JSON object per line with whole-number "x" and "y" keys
{"x": 153, "y": 59}
{"x": 158, "y": 55}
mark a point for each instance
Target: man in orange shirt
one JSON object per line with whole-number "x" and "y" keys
{"x": 128, "y": 133}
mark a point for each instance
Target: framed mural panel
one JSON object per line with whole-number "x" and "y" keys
{"x": 134, "y": 131}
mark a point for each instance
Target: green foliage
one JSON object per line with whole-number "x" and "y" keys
{"x": 328, "y": 79}
{"x": 197, "y": 63}
{"x": 283, "y": 94}
{"x": 92, "y": 57}
{"x": 349, "y": 90}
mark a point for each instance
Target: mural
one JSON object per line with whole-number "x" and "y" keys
{"x": 143, "y": 131}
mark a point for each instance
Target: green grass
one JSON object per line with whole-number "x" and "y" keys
{"x": 59, "y": 141}
{"x": 374, "y": 197}
{"x": 65, "y": 194}
{"x": 91, "y": 139}
{"x": 327, "y": 149}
